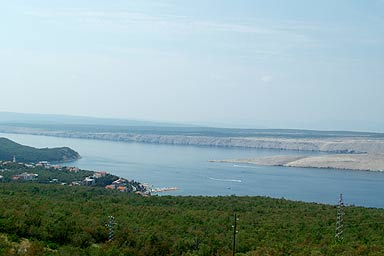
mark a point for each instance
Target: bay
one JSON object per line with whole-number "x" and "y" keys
{"x": 187, "y": 168}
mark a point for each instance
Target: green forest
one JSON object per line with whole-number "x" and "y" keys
{"x": 25, "y": 154}
{"x": 46, "y": 219}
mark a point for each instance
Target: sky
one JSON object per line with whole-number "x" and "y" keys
{"x": 244, "y": 63}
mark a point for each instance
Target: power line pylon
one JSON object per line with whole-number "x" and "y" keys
{"x": 235, "y": 231}
{"x": 340, "y": 220}
{"x": 111, "y": 225}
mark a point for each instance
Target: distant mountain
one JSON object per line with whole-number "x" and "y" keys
{"x": 42, "y": 124}
{"x": 45, "y": 119}
{"x": 26, "y": 154}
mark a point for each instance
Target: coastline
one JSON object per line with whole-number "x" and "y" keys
{"x": 195, "y": 176}
{"x": 356, "y": 162}
{"x": 334, "y": 145}
{"x": 344, "y": 153}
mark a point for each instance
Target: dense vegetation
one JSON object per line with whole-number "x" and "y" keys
{"x": 46, "y": 175}
{"x": 62, "y": 175}
{"x": 41, "y": 219}
{"x": 25, "y": 154}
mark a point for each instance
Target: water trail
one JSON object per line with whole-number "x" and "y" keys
{"x": 246, "y": 166}
{"x": 226, "y": 180}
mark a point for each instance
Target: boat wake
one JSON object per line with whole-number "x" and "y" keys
{"x": 225, "y": 180}
{"x": 246, "y": 166}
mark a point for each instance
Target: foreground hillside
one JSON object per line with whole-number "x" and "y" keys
{"x": 44, "y": 219}
{"x": 10, "y": 149}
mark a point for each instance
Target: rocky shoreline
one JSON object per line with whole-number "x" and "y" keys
{"x": 353, "y": 153}
{"x": 330, "y": 145}
{"x": 359, "y": 162}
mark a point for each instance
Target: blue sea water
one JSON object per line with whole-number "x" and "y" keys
{"x": 187, "y": 168}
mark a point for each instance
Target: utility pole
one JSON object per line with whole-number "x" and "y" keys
{"x": 339, "y": 220}
{"x": 111, "y": 224}
{"x": 234, "y": 235}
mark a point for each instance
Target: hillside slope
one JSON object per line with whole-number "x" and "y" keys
{"x": 58, "y": 220}
{"x": 26, "y": 154}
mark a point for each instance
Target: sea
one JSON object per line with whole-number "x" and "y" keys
{"x": 188, "y": 168}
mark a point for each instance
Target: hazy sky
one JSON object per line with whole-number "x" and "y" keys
{"x": 282, "y": 64}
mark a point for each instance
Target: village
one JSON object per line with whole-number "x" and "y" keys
{"x": 45, "y": 172}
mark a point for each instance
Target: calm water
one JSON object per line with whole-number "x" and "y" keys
{"x": 187, "y": 168}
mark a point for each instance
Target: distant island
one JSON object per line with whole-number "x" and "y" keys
{"x": 280, "y": 139}
{"x": 343, "y": 149}
{"x": 10, "y": 150}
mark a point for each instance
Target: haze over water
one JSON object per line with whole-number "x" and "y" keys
{"x": 187, "y": 168}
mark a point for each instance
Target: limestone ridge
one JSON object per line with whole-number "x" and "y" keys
{"x": 320, "y": 141}
{"x": 361, "y": 162}
{"x": 333, "y": 145}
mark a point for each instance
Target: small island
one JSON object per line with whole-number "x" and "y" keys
{"x": 10, "y": 151}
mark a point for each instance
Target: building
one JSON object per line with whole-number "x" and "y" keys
{"x": 56, "y": 167}
{"x": 110, "y": 187}
{"x": 89, "y": 181}
{"x": 122, "y": 188}
{"x": 99, "y": 174}
{"x": 25, "y": 176}
{"x": 120, "y": 181}
{"x": 73, "y": 169}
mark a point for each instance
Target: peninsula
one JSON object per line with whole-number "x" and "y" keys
{"x": 10, "y": 150}
{"x": 361, "y": 162}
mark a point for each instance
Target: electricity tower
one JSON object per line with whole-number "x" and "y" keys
{"x": 111, "y": 225}
{"x": 339, "y": 220}
{"x": 235, "y": 231}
